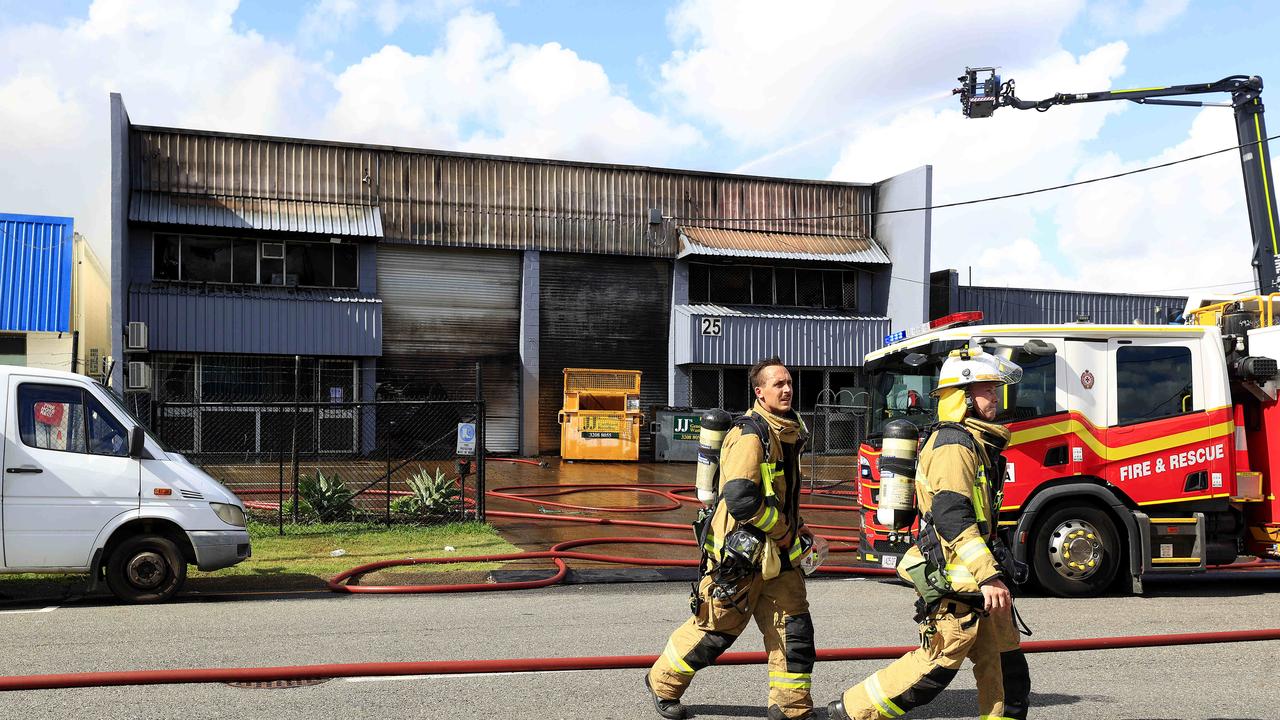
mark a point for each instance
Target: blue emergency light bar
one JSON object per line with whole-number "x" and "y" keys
{"x": 895, "y": 337}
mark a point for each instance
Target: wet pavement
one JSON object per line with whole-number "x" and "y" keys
{"x": 541, "y": 534}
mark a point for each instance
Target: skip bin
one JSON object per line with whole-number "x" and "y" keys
{"x": 601, "y": 417}
{"x": 675, "y": 433}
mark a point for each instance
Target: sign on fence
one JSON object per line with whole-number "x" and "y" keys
{"x": 466, "y": 438}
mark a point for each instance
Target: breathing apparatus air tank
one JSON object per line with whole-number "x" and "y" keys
{"x": 715, "y": 424}
{"x": 897, "y": 503}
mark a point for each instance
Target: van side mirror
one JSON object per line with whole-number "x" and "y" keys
{"x": 137, "y": 441}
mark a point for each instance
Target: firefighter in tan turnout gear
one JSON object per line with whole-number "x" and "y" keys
{"x": 753, "y": 546}
{"x": 965, "y": 609}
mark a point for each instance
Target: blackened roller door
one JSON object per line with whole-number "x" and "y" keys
{"x": 606, "y": 312}
{"x": 444, "y": 310}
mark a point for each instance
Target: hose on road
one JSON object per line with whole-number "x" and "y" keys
{"x": 527, "y": 665}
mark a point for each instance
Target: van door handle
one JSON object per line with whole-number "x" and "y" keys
{"x": 24, "y": 469}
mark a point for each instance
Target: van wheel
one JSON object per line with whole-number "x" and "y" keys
{"x": 1076, "y": 552}
{"x": 146, "y": 569}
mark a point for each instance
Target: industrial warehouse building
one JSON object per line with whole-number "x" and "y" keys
{"x": 54, "y": 302}
{"x": 390, "y": 272}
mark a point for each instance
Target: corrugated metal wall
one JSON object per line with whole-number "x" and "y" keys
{"x": 270, "y": 321}
{"x": 1026, "y": 305}
{"x": 35, "y": 273}
{"x": 799, "y": 341}
{"x": 448, "y": 199}
{"x": 444, "y": 311}
{"x": 601, "y": 312}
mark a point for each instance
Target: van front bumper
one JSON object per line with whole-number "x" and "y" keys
{"x": 217, "y": 549}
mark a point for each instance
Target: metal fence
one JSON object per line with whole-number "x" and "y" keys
{"x": 383, "y": 461}
{"x": 837, "y": 426}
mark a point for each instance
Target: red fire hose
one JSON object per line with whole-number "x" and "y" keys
{"x": 522, "y": 665}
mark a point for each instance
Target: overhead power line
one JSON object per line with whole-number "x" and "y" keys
{"x": 975, "y": 201}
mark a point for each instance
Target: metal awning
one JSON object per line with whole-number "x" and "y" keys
{"x": 756, "y": 244}
{"x": 302, "y": 216}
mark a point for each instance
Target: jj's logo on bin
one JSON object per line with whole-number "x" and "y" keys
{"x": 686, "y": 427}
{"x": 601, "y": 428}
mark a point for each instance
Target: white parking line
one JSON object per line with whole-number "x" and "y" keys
{"x": 51, "y": 608}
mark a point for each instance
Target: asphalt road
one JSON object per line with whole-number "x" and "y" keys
{"x": 1212, "y": 681}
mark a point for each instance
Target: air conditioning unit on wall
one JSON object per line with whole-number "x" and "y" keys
{"x": 138, "y": 376}
{"x": 135, "y": 337}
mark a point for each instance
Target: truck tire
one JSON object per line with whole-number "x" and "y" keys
{"x": 1076, "y": 551}
{"x": 146, "y": 569}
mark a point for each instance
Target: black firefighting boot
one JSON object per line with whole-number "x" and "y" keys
{"x": 835, "y": 711}
{"x": 775, "y": 713}
{"x": 669, "y": 709}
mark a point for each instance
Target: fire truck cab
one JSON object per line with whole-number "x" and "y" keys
{"x": 1136, "y": 449}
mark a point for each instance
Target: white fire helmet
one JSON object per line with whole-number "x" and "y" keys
{"x": 967, "y": 366}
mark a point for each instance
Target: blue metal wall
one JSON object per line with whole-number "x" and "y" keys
{"x": 269, "y": 321}
{"x": 801, "y": 340}
{"x": 1032, "y": 306}
{"x": 35, "y": 273}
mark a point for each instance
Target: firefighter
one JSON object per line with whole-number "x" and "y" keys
{"x": 964, "y": 609}
{"x": 753, "y": 547}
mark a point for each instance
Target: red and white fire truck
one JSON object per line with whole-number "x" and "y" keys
{"x": 1136, "y": 449}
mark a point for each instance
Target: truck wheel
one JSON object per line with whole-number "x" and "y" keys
{"x": 1076, "y": 552}
{"x": 146, "y": 569}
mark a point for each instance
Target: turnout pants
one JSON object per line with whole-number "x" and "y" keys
{"x": 954, "y": 632}
{"x": 781, "y": 611}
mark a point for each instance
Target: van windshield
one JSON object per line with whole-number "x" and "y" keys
{"x": 120, "y": 408}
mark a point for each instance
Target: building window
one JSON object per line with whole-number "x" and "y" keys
{"x": 13, "y": 350}
{"x": 1153, "y": 383}
{"x": 247, "y": 261}
{"x": 234, "y": 404}
{"x": 770, "y": 286}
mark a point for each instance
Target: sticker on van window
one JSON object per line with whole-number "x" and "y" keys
{"x": 49, "y": 413}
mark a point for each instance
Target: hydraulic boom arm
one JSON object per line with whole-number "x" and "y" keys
{"x": 982, "y": 92}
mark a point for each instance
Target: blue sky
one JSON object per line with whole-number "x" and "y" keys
{"x": 824, "y": 89}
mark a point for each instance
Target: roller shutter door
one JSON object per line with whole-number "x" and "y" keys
{"x": 444, "y": 310}
{"x": 601, "y": 311}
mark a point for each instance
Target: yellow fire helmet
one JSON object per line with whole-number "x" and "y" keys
{"x": 967, "y": 366}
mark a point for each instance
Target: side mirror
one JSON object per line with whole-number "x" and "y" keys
{"x": 137, "y": 441}
{"x": 1039, "y": 348}
{"x": 915, "y": 359}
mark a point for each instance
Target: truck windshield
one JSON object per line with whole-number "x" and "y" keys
{"x": 900, "y": 390}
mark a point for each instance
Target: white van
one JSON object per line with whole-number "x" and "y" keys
{"x": 87, "y": 489}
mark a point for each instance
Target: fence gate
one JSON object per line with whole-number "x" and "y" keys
{"x": 837, "y": 427}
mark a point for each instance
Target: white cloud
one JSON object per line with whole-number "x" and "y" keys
{"x": 326, "y": 20}
{"x": 1008, "y": 152}
{"x": 1127, "y": 17}
{"x": 189, "y": 65}
{"x": 479, "y": 93}
{"x": 767, "y": 74}
{"x": 1179, "y": 227}
{"x": 175, "y": 63}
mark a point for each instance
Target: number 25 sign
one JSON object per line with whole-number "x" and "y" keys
{"x": 710, "y": 326}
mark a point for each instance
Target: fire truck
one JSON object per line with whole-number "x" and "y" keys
{"x": 1136, "y": 449}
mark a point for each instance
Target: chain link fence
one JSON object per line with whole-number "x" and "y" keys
{"x": 838, "y": 426}
{"x": 307, "y": 462}
{"x": 312, "y": 440}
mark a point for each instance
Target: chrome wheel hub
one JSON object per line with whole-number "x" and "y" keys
{"x": 1075, "y": 549}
